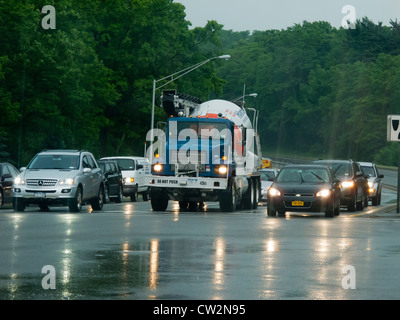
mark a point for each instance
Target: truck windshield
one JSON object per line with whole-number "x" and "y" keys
{"x": 202, "y": 129}
{"x": 66, "y": 162}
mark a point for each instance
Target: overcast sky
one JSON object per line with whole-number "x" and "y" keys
{"x": 241, "y": 15}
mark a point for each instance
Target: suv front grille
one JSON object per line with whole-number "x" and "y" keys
{"x": 41, "y": 182}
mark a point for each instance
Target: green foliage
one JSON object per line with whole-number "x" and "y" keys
{"x": 87, "y": 84}
{"x": 321, "y": 90}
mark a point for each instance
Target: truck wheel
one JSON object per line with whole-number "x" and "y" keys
{"x": 256, "y": 193}
{"x": 159, "y": 201}
{"x": 227, "y": 200}
{"x": 248, "y": 199}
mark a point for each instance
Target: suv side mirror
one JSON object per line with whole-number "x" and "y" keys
{"x": 139, "y": 166}
{"x": 381, "y": 176}
{"x": 87, "y": 170}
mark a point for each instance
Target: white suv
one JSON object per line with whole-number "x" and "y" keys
{"x": 65, "y": 177}
{"x": 135, "y": 171}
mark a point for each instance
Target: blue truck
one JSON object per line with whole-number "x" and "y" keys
{"x": 208, "y": 152}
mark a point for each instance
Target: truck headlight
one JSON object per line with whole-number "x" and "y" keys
{"x": 222, "y": 169}
{"x": 157, "y": 167}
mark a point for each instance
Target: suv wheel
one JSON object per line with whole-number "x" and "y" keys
{"x": 19, "y": 204}
{"x": 75, "y": 204}
{"x": 97, "y": 203}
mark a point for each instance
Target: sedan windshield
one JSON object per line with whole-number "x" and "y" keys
{"x": 66, "y": 162}
{"x": 303, "y": 175}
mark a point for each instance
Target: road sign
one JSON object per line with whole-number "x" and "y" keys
{"x": 393, "y": 128}
{"x": 393, "y": 134}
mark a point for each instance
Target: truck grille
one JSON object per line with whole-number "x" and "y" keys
{"x": 41, "y": 182}
{"x": 193, "y": 156}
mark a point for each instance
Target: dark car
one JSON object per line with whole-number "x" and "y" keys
{"x": 353, "y": 182}
{"x": 375, "y": 182}
{"x": 113, "y": 181}
{"x": 304, "y": 188}
{"x": 7, "y": 175}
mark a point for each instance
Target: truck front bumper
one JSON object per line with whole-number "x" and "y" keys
{"x": 188, "y": 182}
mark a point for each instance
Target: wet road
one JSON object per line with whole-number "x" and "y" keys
{"x": 128, "y": 252}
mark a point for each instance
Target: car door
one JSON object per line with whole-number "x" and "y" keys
{"x": 360, "y": 181}
{"x": 112, "y": 178}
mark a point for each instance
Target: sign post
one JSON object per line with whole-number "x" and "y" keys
{"x": 393, "y": 134}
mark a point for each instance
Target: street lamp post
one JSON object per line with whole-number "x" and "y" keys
{"x": 173, "y": 77}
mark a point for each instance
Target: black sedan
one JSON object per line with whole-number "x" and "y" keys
{"x": 113, "y": 181}
{"x": 7, "y": 175}
{"x": 304, "y": 188}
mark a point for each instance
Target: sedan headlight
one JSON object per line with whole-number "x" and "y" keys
{"x": 347, "y": 184}
{"x": 274, "y": 192}
{"x": 324, "y": 193}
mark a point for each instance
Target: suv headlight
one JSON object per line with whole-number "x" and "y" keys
{"x": 348, "y": 184}
{"x": 67, "y": 182}
{"x": 19, "y": 180}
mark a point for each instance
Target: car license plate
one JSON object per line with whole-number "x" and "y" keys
{"x": 297, "y": 203}
{"x": 40, "y": 195}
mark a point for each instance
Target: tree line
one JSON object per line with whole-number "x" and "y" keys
{"x": 87, "y": 83}
{"x": 322, "y": 92}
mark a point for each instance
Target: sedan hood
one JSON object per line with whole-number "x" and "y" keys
{"x": 302, "y": 188}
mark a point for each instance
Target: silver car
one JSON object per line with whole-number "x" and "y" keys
{"x": 65, "y": 177}
{"x": 267, "y": 177}
{"x": 374, "y": 182}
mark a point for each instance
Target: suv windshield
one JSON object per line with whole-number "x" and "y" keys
{"x": 55, "y": 161}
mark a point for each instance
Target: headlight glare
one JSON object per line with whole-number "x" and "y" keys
{"x": 68, "y": 182}
{"x": 274, "y": 192}
{"x": 347, "y": 184}
{"x": 324, "y": 193}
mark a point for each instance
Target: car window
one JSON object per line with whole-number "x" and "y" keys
{"x": 126, "y": 164}
{"x": 369, "y": 170}
{"x": 55, "y": 161}
{"x": 267, "y": 175}
{"x": 13, "y": 171}
{"x": 5, "y": 170}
